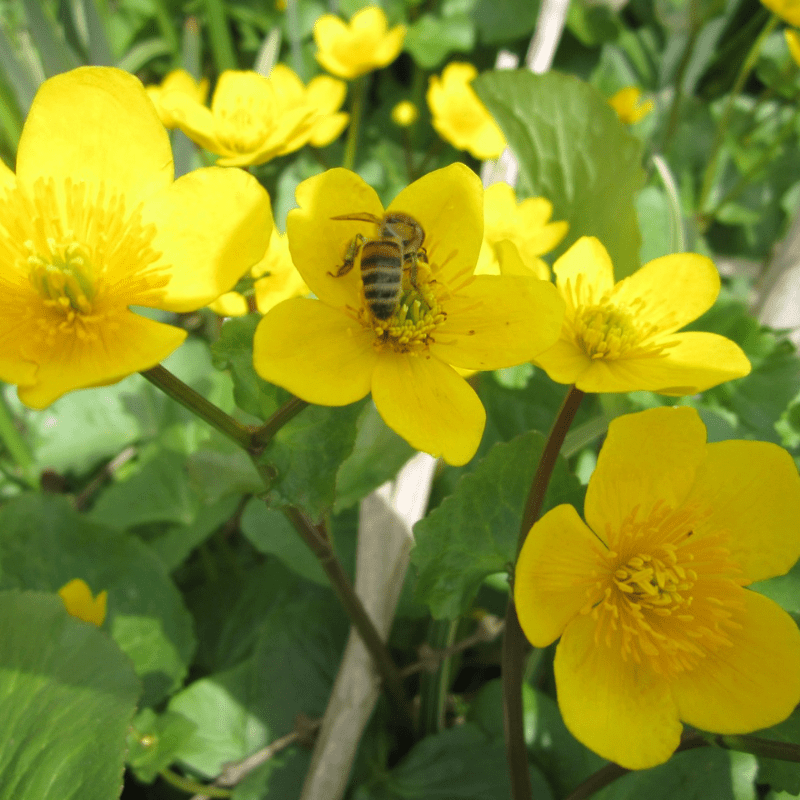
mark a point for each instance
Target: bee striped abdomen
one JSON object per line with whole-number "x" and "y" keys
{"x": 382, "y": 276}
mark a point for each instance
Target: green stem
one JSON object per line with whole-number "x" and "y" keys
{"x": 316, "y": 537}
{"x": 15, "y": 444}
{"x": 219, "y": 36}
{"x": 763, "y": 748}
{"x": 747, "y": 67}
{"x": 356, "y": 110}
{"x": 515, "y": 645}
{"x": 433, "y": 687}
{"x": 261, "y": 437}
{"x": 193, "y": 787}
{"x": 197, "y": 404}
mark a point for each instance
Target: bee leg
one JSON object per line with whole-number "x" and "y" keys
{"x": 349, "y": 256}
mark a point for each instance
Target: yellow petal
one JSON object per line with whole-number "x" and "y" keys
{"x": 326, "y": 94}
{"x": 564, "y": 362}
{"x": 318, "y": 242}
{"x": 619, "y": 709}
{"x": 230, "y": 304}
{"x": 753, "y": 492}
{"x": 429, "y": 405}
{"x": 585, "y": 271}
{"x": 77, "y": 597}
{"x": 753, "y": 683}
{"x": 557, "y": 565}
{"x": 7, "y": 179}
{"x": 125, "y": 344}
{"x": 96, "y": 124}
{"x": 448, "y": 203}
{"x": 212, "y": 225}
{"x": 315, "y": 351}
{"x": 693, "y": 362}
{"x": 671, "y": 291}
{"x": 328, "y": 129}
{"x": 499, "y": 321}
{"x": 788, "y": 10}
{"x": 647, "y": 457}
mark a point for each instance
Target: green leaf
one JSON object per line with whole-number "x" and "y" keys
{"x": 306, "y": 455}
{"x": 230, "y": 609}
{"x": 498, "y": 20}
{"x": 153, "y": 740}
{"x": 268, "y": 530}
{"x": 781, "y": 775}
{"x": 431, "y": 38}
{"x": 694, "y": 775}
{"x": 377, "y": 456}
{"x": 574, "y": 151}
{"x": 291, "y": 671}
{"x": 51, "y": 46}
{"x": 67, "y": 695}
{"x": 44, "y": 544}
{"x": 234, "y": 350}
{"x": 474, "y": 532}
{"x": 158, "y": 491}
{"x": 460, "y": 762}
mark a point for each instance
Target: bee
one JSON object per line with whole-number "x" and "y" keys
{"x": 383, "y": 260}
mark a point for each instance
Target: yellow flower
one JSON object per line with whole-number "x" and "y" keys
{"x": 254, "y": 119}
{"x": 404, "y": 114}
{"x": 628, "y": 104}
{"x": 622, "y": 337}
{"x": 275, "y": 279}
{"x": 179, "y": 80}
{"x": 793, "y": 43}
{"x": 647, "y": 595}
{"x": 788, "y": 10}
{"x": 525, "y": 225}
{"x": 336, "y": 349}
{"x": 93, "y": 223}
{"x": 459, "y": 116}
{"x": 363, "y": 45}
{"x": 77, "y": 597}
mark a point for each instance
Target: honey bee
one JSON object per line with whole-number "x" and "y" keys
{"x": 383, "y": 260}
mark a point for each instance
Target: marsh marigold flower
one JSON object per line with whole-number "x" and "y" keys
{"x": 93, "y": 223}
{"x": 253, "y": 119}
{"x": 788, "y": 10}
{"x": 336, "y": 349}
{"x": 525, "y": 225}
{"x": 80, "y": 603}
{"x": 179, "y": 80}
{"x": 621, "y": 337}
{"x": 459, "y": 116}
{"x": 647, "y": 595}
{"x": 629, "y": 105}
{"x": 364, "y": 44}
{"x": 275, "y": 279}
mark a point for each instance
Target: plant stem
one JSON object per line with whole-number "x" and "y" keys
{"x": 261, "y": 437}
{"x": 316, "y": 537}
{"x": 680, "y": 74}
{"x": 193, "y": 787}
{"x": 515, "y": 645}
{"x": 356, "y": 110}
{"x": 433, "y": 687}
{"x": 744, "y": 73}
{"x": 197, "y": 404}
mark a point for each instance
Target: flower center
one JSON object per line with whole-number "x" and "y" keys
{"x": 245, "y": 124}
{"x": 669, "y": 597}
{"x": 610, "y": 332}
{"x": 412, "y": 325}
{"x": 81, "y": 253}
